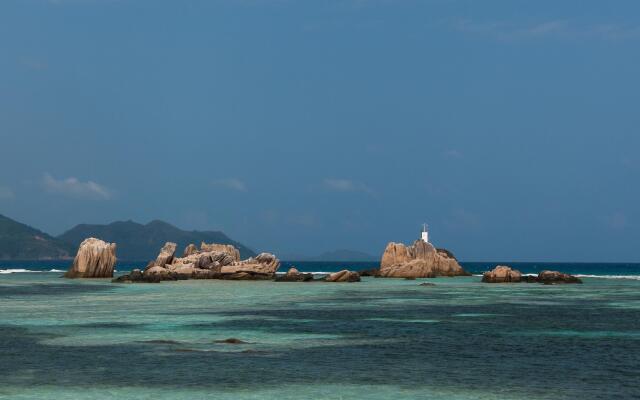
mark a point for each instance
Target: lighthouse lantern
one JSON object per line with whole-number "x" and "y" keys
{"x": 425, "y": 233}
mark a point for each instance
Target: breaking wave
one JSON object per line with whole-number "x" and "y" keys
{"x": 23, "y": 270}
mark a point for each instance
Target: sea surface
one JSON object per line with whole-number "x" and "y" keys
{"x": 375, "y": 339}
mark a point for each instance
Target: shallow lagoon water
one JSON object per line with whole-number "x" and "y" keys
{"x": 376, "y": 339}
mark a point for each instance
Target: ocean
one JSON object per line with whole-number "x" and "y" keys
{"x": 376, "y": 339}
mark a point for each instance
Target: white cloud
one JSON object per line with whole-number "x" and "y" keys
{"x": 231, "y": 183}
{"x": 6, "y": 193}
{"x": 616, "y": 221}
{"x": 509, "y": 31}
{"x": 339, "y": 185}
{"x": 345, "y": 185}
{"x": 453, "y": 154}
{"x": 304, "y": 220}
{"x": 461, "y": 220}
{"x": 75, "y": 188}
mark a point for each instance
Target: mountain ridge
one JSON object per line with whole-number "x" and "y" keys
{"x": 137, "y": 242}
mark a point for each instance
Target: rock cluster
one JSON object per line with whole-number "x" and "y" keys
{"x": 553, "y": 277}
{"x": 211, "y": 261}
{"x": 293, "y": 275}
{"x": 504, "y": 274}
{"x": 95, "y": 259}
{"x": 343, "y": 276}
{"x": 420, "y": 260}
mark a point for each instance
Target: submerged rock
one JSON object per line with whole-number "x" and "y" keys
{"x": 502, "y": 274}
{"x": 553, "y": 277}
{"x": 420, "y": 260}
{"x": 231, "y": 341}
{"x": 343, "y": 276}
{"x": 95, "y": 259}
{"x": 246, "y": 276}
{"x": 369, "y": 272}
{"x": 293, "y": 275}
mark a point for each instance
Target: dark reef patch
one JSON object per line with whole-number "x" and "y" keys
{"x": 52, "y": 289}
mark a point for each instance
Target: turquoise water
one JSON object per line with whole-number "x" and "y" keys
{"x": 376, "y": 339}
{"x": 630, "y": 270}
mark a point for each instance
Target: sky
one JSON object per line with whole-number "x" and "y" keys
{"x": 298, "y": 127}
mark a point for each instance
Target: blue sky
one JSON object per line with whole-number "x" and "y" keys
{"x": 511, "y": 127}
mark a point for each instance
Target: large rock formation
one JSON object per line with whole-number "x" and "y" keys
{"x": 95, "y": 259}
{"x": 502, "y": 274}
{"x": 212, "y": 261}
{"x": 420, "y": 260}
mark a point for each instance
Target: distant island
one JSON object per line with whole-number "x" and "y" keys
{"x": 135, "y": 241}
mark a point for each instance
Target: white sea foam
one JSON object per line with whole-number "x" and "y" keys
{"x": 633, "y": 277}
{"x": 23, "y": 271}
{"x": 13, "y": 270}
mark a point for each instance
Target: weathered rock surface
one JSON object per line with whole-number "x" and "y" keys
{"x": 95, "y": 259}
{"x": 553, "y": 277}
{"x": 502, "y": 274}
{"x": 221, "y": 248}
{"x": 420, "y": 260}
{"x": 166, "y": 254}
{"x": 293, "y": 275}
{"x": 343, "y": 276}
{"x": 189, "y": 250}
{"x": 264, "y": 263}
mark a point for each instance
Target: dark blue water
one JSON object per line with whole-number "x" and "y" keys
{"x": 596, "y": 269}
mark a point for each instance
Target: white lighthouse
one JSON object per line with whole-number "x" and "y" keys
{"x": 425, "y": 233}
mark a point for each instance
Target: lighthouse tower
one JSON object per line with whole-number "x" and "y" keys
{"x": 425, "y": 233}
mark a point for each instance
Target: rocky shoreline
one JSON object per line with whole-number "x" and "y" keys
{"x": 505, "y": 274}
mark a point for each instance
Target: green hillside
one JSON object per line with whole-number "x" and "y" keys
{"x": 22, "y": 242}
